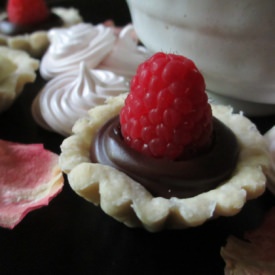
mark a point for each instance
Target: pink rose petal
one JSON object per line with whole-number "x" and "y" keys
{"x": 29, "y": 178}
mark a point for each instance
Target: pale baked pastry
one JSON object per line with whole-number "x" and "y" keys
{"x": 270, "y": 141}
{"x": 36, "y": 43}
{"x": 16, "y": 69}
{"x": 130, "y": 203}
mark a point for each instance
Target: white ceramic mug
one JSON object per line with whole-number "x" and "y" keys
{"x": 231, "y": 41}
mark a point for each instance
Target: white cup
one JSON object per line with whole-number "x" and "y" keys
{"x": 231, "y": 41}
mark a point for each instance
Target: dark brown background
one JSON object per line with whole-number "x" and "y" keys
{"x": 72, "y": 236}
{"x": 94, "y": 10}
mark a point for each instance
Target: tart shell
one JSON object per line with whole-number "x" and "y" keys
{"x": 14, "y": 81}
{"x": 270, "y": 141}
{"x": 37, "y": 42}
{"x": 130, "y": 203}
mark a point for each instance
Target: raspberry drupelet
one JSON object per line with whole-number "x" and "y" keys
{"x": 167, "y": 114}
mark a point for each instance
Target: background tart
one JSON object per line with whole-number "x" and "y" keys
{"x": 16, "y": 69}
{"x": 36, "y": 43}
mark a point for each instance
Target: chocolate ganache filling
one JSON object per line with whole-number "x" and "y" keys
{"x": 181, "y": 178}
{"x": 12, "y": 29}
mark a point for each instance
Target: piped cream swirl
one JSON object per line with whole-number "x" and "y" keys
{"x": 99, "y": 46}
{"x": 68, "y": 47}
{"x": 69, "y": 96}
{"x": 126, "y": 55}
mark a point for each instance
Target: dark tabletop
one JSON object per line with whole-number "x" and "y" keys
{"x": 72, "y": 236}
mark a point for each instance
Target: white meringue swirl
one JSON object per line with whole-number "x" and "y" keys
{"x": 67, "y": 97}
{"x": 126, "y": 55}
{"x": 69, "y": 46}
{"x": 99, "y": 46}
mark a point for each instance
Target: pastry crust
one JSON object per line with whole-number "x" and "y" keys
{"x": 270, "y": 141}
{"x": 129, "y": 202}
{"x": 17, "y": 70}
{"x": 37, "y": 42}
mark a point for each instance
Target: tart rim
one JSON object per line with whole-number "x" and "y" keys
{"x": 129, "y": 202}
{"x": 36, "y": 43}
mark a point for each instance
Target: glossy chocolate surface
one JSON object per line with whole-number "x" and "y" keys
{"x": 167, "y": 178}
{"x": 12, "y": 29}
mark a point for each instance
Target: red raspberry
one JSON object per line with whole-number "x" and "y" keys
{"x": 167, "y": 113}
{"x": 27, "y": 12}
